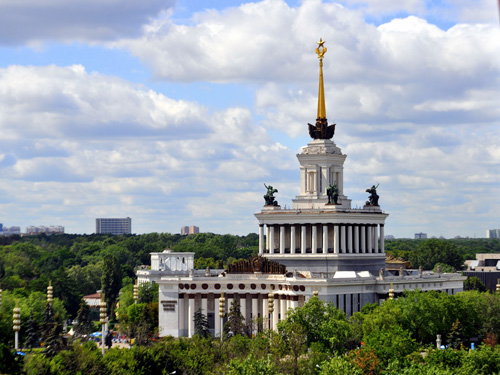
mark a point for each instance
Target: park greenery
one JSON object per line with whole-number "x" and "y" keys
{"x": 316, "y": 338}
{"x": 395, "y": 337}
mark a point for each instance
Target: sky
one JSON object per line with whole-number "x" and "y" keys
{"x": 176, "y": 113}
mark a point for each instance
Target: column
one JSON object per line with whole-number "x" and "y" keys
{"x": 356, "y": 238}
{"x": 375, "y": 238}
{"x": 292, "y": 239}
{"x": 265, "y": 311}
{"x": 276, "y": 311}
{"x": 382, "y": 239}
{"x": 303, "y": 239}
{"x": 314, "y": 238}
{"x": 325, "y": 239}
{"x": 341, "y": 183}
{"x": 335, "y": 238}
{"x": 243, "y": 306}
{"x": 217, "y": 327}
{"x": 191, "y": 315}
{"x": 342, "y": 238}
{"x": 294, "y": 303}
{"x": 282, "y": 239}
{"x": 363, "y": 242}
{"x": 369, "y": 229}
{"x": 268, "y": 238}
{"x": 271, "y": 239}
{"x": 283, "y": 307}
{"x": 261, "y": 239}
{"x": 204, "y": 305}
{"x": 255, "y": 311}
{"x": 182, "y": 313}
{"x": 349, "y": 239}
{"x": 303, "y": 180}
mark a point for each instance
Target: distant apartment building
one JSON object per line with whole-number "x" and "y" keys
{"x": 420, "y": 236}
{"x": 51, "y": 229}
{"x": 113, "y": 225}
{"x": 189, "y": 230}
{"x": 7, "y": 231}
{"x": 493, "y": 233}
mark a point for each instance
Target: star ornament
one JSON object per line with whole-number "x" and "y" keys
{"x": 321, "y": 50}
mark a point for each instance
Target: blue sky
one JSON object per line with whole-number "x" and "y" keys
{"x": 174, "y": 114}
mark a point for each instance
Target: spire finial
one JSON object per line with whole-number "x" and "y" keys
{"x": 321, "y": 130}
{"x": 321, "y": 50}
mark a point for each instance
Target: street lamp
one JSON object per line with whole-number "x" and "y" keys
{"x": 136, "y": 291}
{"x": 102, "y": 320}
{"x": 50, "y": 293}
{"x": 17, "y": 324}
{"x": 222, "y": 311}
{"x": 270, "y": 302}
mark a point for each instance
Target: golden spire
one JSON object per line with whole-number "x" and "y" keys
{"x": 321, "y": 50}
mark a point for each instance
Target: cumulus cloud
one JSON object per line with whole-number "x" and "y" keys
{"x": 75, "y": 136}
{"x": 33, "y": 21}
{"x": 414, "y": 102}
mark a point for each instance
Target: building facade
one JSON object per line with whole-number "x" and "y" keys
{"x": 51, "y": 229}
{"x": 114, "y": 226}
{"x": 493, "y": 233}
{"x": 321, "y": 246}
{"x": 189, "y": 230}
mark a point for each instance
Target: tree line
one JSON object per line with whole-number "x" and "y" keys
{"x": 396, "y": 337}
{"x": 79, "y": 265}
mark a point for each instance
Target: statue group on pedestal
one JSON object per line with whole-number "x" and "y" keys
{"x": 373, "y": 198}
{"x": 269, "y": 197}
{"x": 332, "y": 191}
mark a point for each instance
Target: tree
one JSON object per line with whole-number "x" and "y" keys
{"x": 235, "y": 324}
{"x": 47, "y": 322}
{"x": 201, "y": 324}
{"x": 111, "y": 282}
{"x": 84, "y": 325}
{"x": 474, "y": 283}
{"x": 433, "y": 251}
{"x": 31, "y": 336}
{"x": 323, "y": 324}
{"x": 148, "y": 292}
{"x": 55, "y": 341}
{"x": 251, "y": 366}
{"x": 294, "y": 338}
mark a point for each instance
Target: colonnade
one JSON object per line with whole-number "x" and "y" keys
{"x": 252, "y": 306}
{"x": 321, "y": 238}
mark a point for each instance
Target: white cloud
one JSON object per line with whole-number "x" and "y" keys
{"x": 34, "y": 21}
{"x": 112, "y": 146}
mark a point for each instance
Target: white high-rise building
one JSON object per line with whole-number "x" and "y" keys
{"x": 493, "y": 233}
{"x": 113, "y": 225}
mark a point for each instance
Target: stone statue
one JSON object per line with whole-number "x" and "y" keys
{"x": 373, "y": 198}
{"x": 381, "y": 274}
{"x": 333, "y": 194}
{"x": 269, "y": 197}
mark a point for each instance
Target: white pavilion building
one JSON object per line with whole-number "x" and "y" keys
{"x": 321, "y": 246}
